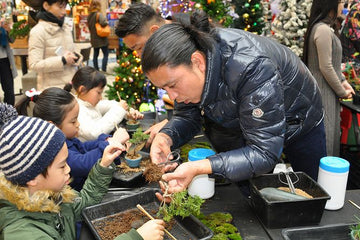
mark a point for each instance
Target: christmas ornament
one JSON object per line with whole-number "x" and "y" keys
{"x": 147, "y": 107}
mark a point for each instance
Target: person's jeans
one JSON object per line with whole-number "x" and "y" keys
{"x": 105, "y": 51}
{"x": 7, "y": 81}
{"x": 305, "y": 153}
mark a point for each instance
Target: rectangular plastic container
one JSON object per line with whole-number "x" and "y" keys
{"x": 280, "y": 214}
{"x": 184, "y": 228}
{"x": 328, "y": 232}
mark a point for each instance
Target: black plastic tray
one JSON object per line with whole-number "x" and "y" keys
{"x": 328, "y": 232}
{"x": 184, "y": 228}
{"x": 280, "y": 214}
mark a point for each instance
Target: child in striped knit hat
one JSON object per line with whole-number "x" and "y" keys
{"x": 35, "y": 199}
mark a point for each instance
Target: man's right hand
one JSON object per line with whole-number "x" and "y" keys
{"x": 160, "y": 148}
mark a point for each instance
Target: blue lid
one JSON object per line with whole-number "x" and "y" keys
{"x": 334, "y": 164}
{"x": 199, "y": 154}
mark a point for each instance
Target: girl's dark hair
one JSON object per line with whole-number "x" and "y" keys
{"x": 51, "y": 105}
{"x": 61, "y": 2}
{"x": 173, "y": 45}
{"x": 320, "y": 10}
{"x": 88, "y": 77}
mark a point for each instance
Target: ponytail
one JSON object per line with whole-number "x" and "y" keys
{"x": 24, "y": 103}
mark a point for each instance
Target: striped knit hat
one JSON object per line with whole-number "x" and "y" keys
{"x": 27, "y": 145}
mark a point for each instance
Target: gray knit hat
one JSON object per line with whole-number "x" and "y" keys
{"x": 28, "y": 145}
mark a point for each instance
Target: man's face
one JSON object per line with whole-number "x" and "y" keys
{"x": 136, "y": 42}
{"x": 182, "y": 83}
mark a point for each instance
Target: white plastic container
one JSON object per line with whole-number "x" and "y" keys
{"x": 333, "y": 175}
{"x": 201, "y": 185}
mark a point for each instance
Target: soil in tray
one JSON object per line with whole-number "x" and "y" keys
{"x": 151, "y": 172}
{"x": 112, "y": 226}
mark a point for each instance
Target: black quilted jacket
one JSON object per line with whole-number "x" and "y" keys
{"x": 258, "y": 97}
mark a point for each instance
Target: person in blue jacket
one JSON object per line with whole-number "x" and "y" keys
{"x": 255, "y": 98}
{"x": 60, "y": 107}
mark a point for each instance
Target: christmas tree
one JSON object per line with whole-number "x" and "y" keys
{"x": 250, "y": 16}
{"x": 290, "y": 25}
{"x": 130, "y": 82}
{"x": 168, "y": 7}
{"x": 219, "y": 11}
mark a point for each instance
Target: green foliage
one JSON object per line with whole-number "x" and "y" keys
{"x": 182, "y": 205}
{"x": 20, "y": 29}
{"x": 138, "y": 137}
{"x": 250, "y": 16}
{"x": 130, "y": 81}
{"x": 184, "y": 150}
{"x": 217, "y": 10}
{"x": 220, "y": 224}
{"x": 355, "y": 230}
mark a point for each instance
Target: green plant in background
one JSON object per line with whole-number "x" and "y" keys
{"x": 20, "y": 29}
{"x": 182, "y": 205}
{"x": 218, "y": 10}
{"x": 251, "y": 16}
{"x": 220, "y": 224}
{"x": 130, "y": 81}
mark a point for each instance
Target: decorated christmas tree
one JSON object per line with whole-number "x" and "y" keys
{"x": 130, "y": 82}
{"x": 250, "y": 16}
{"x": 218, "y": 10}
{"x": 290, "y": 25}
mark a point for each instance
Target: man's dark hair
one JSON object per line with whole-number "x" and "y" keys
{"x": 135, "y": 18}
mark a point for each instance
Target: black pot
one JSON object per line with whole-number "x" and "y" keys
{"x": 356, "y": 98}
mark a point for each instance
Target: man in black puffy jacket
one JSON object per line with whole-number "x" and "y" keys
{"x": 254, "y": 96}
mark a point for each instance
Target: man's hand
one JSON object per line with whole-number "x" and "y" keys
{"x": 160, "y": 148}
{"x": 153, "y": 130}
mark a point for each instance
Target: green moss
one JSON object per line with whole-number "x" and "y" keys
{"x": 220, "y": 224}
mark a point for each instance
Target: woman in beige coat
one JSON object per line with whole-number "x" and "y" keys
{"x": 322, "y": 55}
{"x": 51, "y": 48}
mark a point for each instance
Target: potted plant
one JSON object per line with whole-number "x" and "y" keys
{"x": 138, "y": 140}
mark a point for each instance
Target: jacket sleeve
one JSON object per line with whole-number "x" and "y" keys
{"x": 37, "y": 52}
{"x": 102, "y": 20}
{"x": 95, "y": 187}
{"x": 81, "y": 163}
{"x": 184, "y": 124}
{"x": 131, "y": 235}
{"x": 262, "y": 120}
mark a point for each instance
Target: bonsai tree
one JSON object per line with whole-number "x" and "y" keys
{"x": 137, "y": 141}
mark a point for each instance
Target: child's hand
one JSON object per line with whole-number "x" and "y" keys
{"x": 110, "y": 154}
{"x": 121, "y": 135}
{"x": 134, "y": 114}
{"x": 124, "y": 105}
{"x": 152, "y": 230}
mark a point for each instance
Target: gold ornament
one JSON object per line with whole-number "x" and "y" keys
{"x": 125, "y": 54}
{"x": 117, "y": 78}
{"x": 197, "y": 5}
{"x": 246, "y": 15}
{"x": 210, "y": 1}
{"x": 124, "y": 80}
{"x": 130, "y": 79}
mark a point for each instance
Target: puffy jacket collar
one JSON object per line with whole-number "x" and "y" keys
{"x": 52, "y": 28}
{"x": 213, "y": 75}
{"x": 41, "y": 201}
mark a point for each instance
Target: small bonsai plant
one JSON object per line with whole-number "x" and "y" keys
{"x": 181, "y": 204}
{"x": 137, "y": 141}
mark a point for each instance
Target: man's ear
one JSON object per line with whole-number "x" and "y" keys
{"x": 46, "y": 5}
{"x": 198, "y": 60}
{"x": 154, "y": 28}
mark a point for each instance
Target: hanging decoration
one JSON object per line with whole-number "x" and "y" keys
{"x": 168, "y": 7}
